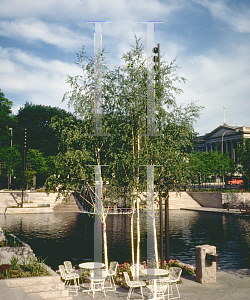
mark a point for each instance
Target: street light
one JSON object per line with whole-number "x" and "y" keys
{"x": 9, "y": 178}
{"x": 161, "y": 183}
{"x": 24, "y": 161}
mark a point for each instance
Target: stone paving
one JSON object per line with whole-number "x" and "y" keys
{"x": 230, "y": 284}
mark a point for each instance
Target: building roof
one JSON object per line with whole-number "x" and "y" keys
{"x": 230, "y": 129}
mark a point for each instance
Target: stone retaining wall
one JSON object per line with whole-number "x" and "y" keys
{"x": 24, "y": 251}
{"x": 213, "y": 200}
{"x": 216, "y": 200}
{"x": 236, "y": 198}
{"x": 28, "y": 210}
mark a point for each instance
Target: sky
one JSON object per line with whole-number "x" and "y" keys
{"x": 210, "y": 40}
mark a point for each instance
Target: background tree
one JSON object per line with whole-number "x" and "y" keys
{"x": 11, "y": 161}
{"x": 207, "y": 166}
{"x": 244, "y": 161}
{"x": 37, "y": 119}
{"x": 37, "y": 168}
{"x": 6, "y": 120}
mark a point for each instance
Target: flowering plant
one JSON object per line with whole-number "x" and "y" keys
{"x": 125, "y": 267}
{"x": 187, "y": 269}
{"x": 119, "y": 277}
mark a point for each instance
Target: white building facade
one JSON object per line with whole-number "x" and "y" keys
{"x": 224, "y": 138}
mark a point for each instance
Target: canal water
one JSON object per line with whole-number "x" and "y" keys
{"x": 59, "y": 237}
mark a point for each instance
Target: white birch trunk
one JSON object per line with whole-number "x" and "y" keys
{"x": 132, "y": 238}
{"x": 155, "y": 243}
{"x": 138, "y": 238}
{"x": 105, "y": 244}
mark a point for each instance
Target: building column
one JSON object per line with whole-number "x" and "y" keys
{"x": 232, "y": 151}
{"x": 226, "y": 146}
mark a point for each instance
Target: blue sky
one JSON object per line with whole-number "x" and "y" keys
{"x": 210, "y": 39}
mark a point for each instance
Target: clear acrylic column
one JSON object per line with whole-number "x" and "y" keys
{"x": 150, "y": 77}
{"x": 150, "y": 217}
{"x": 98, "y": 214}
{"x": 98, "y": 76}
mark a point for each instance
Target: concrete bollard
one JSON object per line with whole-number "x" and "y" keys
{"x": 206, "y": 258}
{"x": 2, "y": 236}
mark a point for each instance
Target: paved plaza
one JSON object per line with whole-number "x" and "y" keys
{"x": 230, "y": 284}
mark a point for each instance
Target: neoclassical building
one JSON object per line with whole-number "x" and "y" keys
{"x": 224, "y": 138}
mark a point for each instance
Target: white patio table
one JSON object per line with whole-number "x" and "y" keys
{"x": 91, "y": 265}
{"x": 154, "y": 272}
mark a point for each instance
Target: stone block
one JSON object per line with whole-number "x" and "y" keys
{"x": 2, "y": 236}
{"x": 205, "y": 270}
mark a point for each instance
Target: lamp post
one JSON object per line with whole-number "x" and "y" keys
{"x": 166, "y": 195}
{"x": 24, "y": 162}
{"x": 10, "y": 172}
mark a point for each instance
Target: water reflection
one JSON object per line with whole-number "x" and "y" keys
{"x": 62, "y": 237}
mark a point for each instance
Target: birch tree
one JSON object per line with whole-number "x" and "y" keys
{"x": 124, "y": 118}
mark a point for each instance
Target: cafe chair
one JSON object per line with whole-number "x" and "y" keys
{"x": 133, "y": 284}
{"x": 133, "y": 270}
{"x": 69, "y": 277}
{"x": 110, "y": 273}
{"x": 172, "y": 279}
{"x": 157, "y": 288}
{"x": 69, "y": 268}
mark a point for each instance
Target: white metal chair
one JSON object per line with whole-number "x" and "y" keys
{"x": 173, "y": 277}
{"x": 133, "y": 270}
{"x": 69, "y": 268}
{"x": 110, "y": 273}
{"x": 68, "y": 277}
{"x": 133, "y": 284}
{"x": 157, "y": 288}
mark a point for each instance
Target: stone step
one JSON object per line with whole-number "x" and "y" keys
{"x": 32, "y": 281}
{"x": 43, "y": 287}
{"x": 70, "y": 206}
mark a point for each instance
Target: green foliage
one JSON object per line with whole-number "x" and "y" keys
{"x": 14, "y": 262}
{"x": 124, "y": 118}
{"x": 37, "y": 119}
{"x": 12, "y": 160}
{"x": 11, "y": 240}
{"x": 25, "y": 268}
{"x": 125, "y": 267}
{"x": 206, "y": 166}
{"x": 6, "y": 120}
{"x": 244, "y": 160}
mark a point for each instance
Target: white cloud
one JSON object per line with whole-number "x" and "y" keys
{"x": 235, "y": 15}
{"x": 33, "y": 79}
{"x": 34, "y": 30}
{"x": 216, "y": 80}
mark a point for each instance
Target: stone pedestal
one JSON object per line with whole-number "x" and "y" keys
{"x": 2, "y": 236}
{"x": 205, "y": 270}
